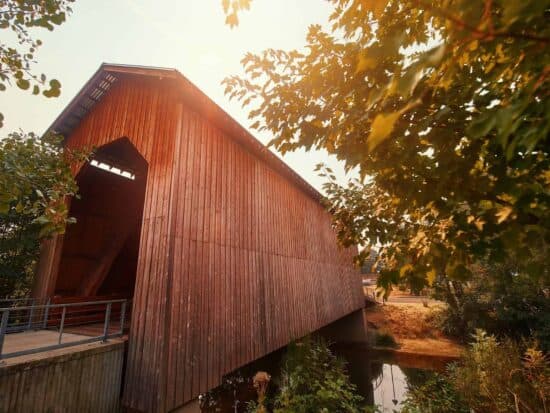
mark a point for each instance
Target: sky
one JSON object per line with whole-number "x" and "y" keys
{"x": 189, "y": 35}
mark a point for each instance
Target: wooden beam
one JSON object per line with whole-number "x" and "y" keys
{"x": 92, "y": 282}
{"x": 47, "y": 267}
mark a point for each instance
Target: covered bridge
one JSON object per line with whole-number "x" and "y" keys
{"x": 226, "y": 252}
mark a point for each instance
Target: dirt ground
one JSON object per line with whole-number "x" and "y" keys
{"x": 413, "y": 327}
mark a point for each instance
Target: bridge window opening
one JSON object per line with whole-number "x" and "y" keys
{"x": 112, "y": 169}
{"x": 100, "y": 251}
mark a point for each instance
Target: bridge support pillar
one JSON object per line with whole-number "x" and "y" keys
{"x": 348, "y": 329}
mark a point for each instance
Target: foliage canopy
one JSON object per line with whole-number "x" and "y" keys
{"x": 21, "y": 17}
{"x": 441, "y": 109}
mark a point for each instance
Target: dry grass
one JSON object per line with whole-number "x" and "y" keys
{"x": 413, "y": 327}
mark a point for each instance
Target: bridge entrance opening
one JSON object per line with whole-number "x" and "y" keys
{"x": 100, "y": 251}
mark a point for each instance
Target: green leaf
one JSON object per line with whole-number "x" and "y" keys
{"x": 482, "y": 125}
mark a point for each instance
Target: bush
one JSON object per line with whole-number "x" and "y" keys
{"x": 502, "y": 377}
{"x": 436, "y": 395}
{"x": 492, "y": 376}
{"x": 313, "y": 380}
{"x": 384, "y": 339}
{"x": 499, "y": 301}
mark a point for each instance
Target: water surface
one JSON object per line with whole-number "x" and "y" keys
{"x": 383, "y": 378}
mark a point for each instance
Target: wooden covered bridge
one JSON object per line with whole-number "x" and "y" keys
{"x": 226, "y": 253}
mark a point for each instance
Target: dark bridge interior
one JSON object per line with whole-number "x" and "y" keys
{"x": 100, "y": 251}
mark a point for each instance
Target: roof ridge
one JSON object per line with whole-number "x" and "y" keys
{"x": 100, "y": 82}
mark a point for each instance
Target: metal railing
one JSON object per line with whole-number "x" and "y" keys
{"x": 17, "y": 319}
{"x": 22, "y": 312}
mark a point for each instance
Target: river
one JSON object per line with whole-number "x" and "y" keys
{"x": 382, "y": 377}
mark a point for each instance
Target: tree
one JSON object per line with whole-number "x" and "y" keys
{"x": 500, "y": 300}
{"x": 21, "y": 17}
{"x": 441, "y": 109}
{"x": 35, "y": 179}
{"x": 35, "y": 174}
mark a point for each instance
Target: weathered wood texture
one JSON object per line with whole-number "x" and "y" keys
{"x": 254, "y": 262}
{"x": 235, "y": 258}
{"x": 77, "y": 379}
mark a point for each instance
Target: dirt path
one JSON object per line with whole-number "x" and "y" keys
{"x": 413, "y": 327}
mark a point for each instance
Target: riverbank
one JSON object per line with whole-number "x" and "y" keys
{"x": 413, "y": 327}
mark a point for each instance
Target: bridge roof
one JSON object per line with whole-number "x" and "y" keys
{"x": 107, "y": 74}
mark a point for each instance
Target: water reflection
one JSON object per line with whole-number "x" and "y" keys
{"x": 382, "y": 378}
{"x": 390, "y": 388}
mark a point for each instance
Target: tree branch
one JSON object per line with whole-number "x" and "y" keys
{"x": 481, "y": 33}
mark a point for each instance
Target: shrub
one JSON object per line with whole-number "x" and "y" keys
{"x": 313, "y": 380}
{"x": 492, "y": 376}
{"x": 497, "y": 300}
{"x": 500, "y": 377}
{"x": 436, "y": 395}
{"x": 384, "y": 339}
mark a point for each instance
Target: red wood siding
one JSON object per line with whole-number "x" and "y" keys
{"x": 144, "y": 111}
{"x": 234, "y": 260}
{"x": 255, "y": 262}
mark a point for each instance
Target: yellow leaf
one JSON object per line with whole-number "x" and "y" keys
{"x": 383, "y": 123}
{"x": 364, "y": 63}
{"x": 489, "y": 67}
{"x": 464, "y": 59}
{"x": 430, "y": 275}
{"x": 381, "y": 128}
{"x": 479, "y": 224}
{"x": 446, "y": 82}
{"x": 503, "y": 214}
{"x": 377, "y": 7}
{"x": 317, "y": 123}
{"x": 507, "y": 198}
{"x": 473, "y": 45}
{"x": 501, "y": 57}
{"x": 405, "y": 269}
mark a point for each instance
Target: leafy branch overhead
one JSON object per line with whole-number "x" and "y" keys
{"x": 444, "y": 110}
{"x": 21, "y": 17}
{"x": 232, "y": 8}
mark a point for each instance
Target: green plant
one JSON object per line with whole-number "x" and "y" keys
{"x": 23, "y": 17}
{"x": 492, "y": 376}
{"x": 497, "y": 299}
{"x": 436, "y": 395}
{"x": 440, "y": 108}
{"x": 502, "y": 377}
{"x": 384, "y": 339}
{"x": 35, "y": 180}
{"x": 313, "y": 380}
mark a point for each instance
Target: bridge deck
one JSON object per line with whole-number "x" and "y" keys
{"x": 35, "y": 339}
{"x": 28, "y": 340}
